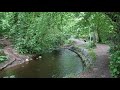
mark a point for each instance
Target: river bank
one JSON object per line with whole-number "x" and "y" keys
{"x": 14, "y": 58}
{"x": 100, "y": 68}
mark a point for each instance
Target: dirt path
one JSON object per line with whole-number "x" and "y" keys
{"x": 101, "y": 66}
{"x": 12, "y": 54}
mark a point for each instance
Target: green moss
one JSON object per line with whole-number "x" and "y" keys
{"x": 92, "y": 54}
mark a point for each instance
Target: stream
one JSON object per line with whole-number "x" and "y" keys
{"x": 57, "y": 64}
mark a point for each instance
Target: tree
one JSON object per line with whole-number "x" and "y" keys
{"x": 33, "y": 32}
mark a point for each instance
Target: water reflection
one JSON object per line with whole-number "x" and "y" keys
{"x": 57, "y": 64}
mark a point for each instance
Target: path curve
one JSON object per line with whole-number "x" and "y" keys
{"x": 101, "y": 65}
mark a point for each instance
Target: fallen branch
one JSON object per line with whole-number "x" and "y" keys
{"x": 6, "y": 65}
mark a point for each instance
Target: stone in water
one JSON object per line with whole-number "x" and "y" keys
{"x": 40, "y": 56}
{"x": 27, "y": 59}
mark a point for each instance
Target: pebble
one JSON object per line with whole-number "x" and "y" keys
{"x": 12, "y": 76}
{"x": 40, "y": 56}
{"x": 27, "y": 60}
{"x": 6, "y": 77}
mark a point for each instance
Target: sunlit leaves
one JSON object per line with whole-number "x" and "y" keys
{"x": 115, "y": 64}
{"x": 39, "y": 32}
{"x": 115, "y": 46}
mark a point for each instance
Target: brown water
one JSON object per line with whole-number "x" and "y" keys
{"x": 57, "y": 64}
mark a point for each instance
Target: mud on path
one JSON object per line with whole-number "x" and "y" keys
{"x": 101, "y": 65}
{"x": 12, "y": 54}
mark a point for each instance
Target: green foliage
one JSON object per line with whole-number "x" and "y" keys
{"x": 94, "y": 21}
{"x": 92, "y": 54}
{"x": 1, "y": 47}
{"x": 41, "y": 35}
{"x": 115, "y": 44}
{"x": 39, "y": 32}
{"x": 115, "y": 64}
{"x": 5, "y": 22}
{"x": 91, "y": 44}
{"x": 2, "y": 55}
{"x": 69, "y": 42}
{"x": 36, "y": 32}
{"x": 3, "y": 58}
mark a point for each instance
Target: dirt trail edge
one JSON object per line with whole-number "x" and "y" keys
{"x": 101, "y": 65}
{"x": 14, "y": 57}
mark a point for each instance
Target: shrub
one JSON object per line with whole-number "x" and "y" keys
{"x": 115, "y": 64}
{"x": 3, "y": 58}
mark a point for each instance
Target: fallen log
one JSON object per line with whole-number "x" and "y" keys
{"x": 6, "y": 65}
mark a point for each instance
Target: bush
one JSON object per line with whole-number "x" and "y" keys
{"x": 2, "y": 55}
{"x": 37, "y": 32}
{"x": 3, "y": 58}
{"x": 91, "y": 44}
{"x": 115, "y": 64}
{"x": 92, "y": 54}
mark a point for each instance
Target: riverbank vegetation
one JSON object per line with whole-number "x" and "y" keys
{"x": 42, "y": 32}
{"x": 3, "y": 57}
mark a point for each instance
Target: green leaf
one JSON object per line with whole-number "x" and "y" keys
{"x": 115, "y": 70}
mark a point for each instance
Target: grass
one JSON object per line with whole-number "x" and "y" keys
{"x": 2, "y": 55}
{"x": 3, "y": 58}
{"x": 92, "y": 54}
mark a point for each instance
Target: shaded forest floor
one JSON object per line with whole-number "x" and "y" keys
{"x": 100, "y": 68}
